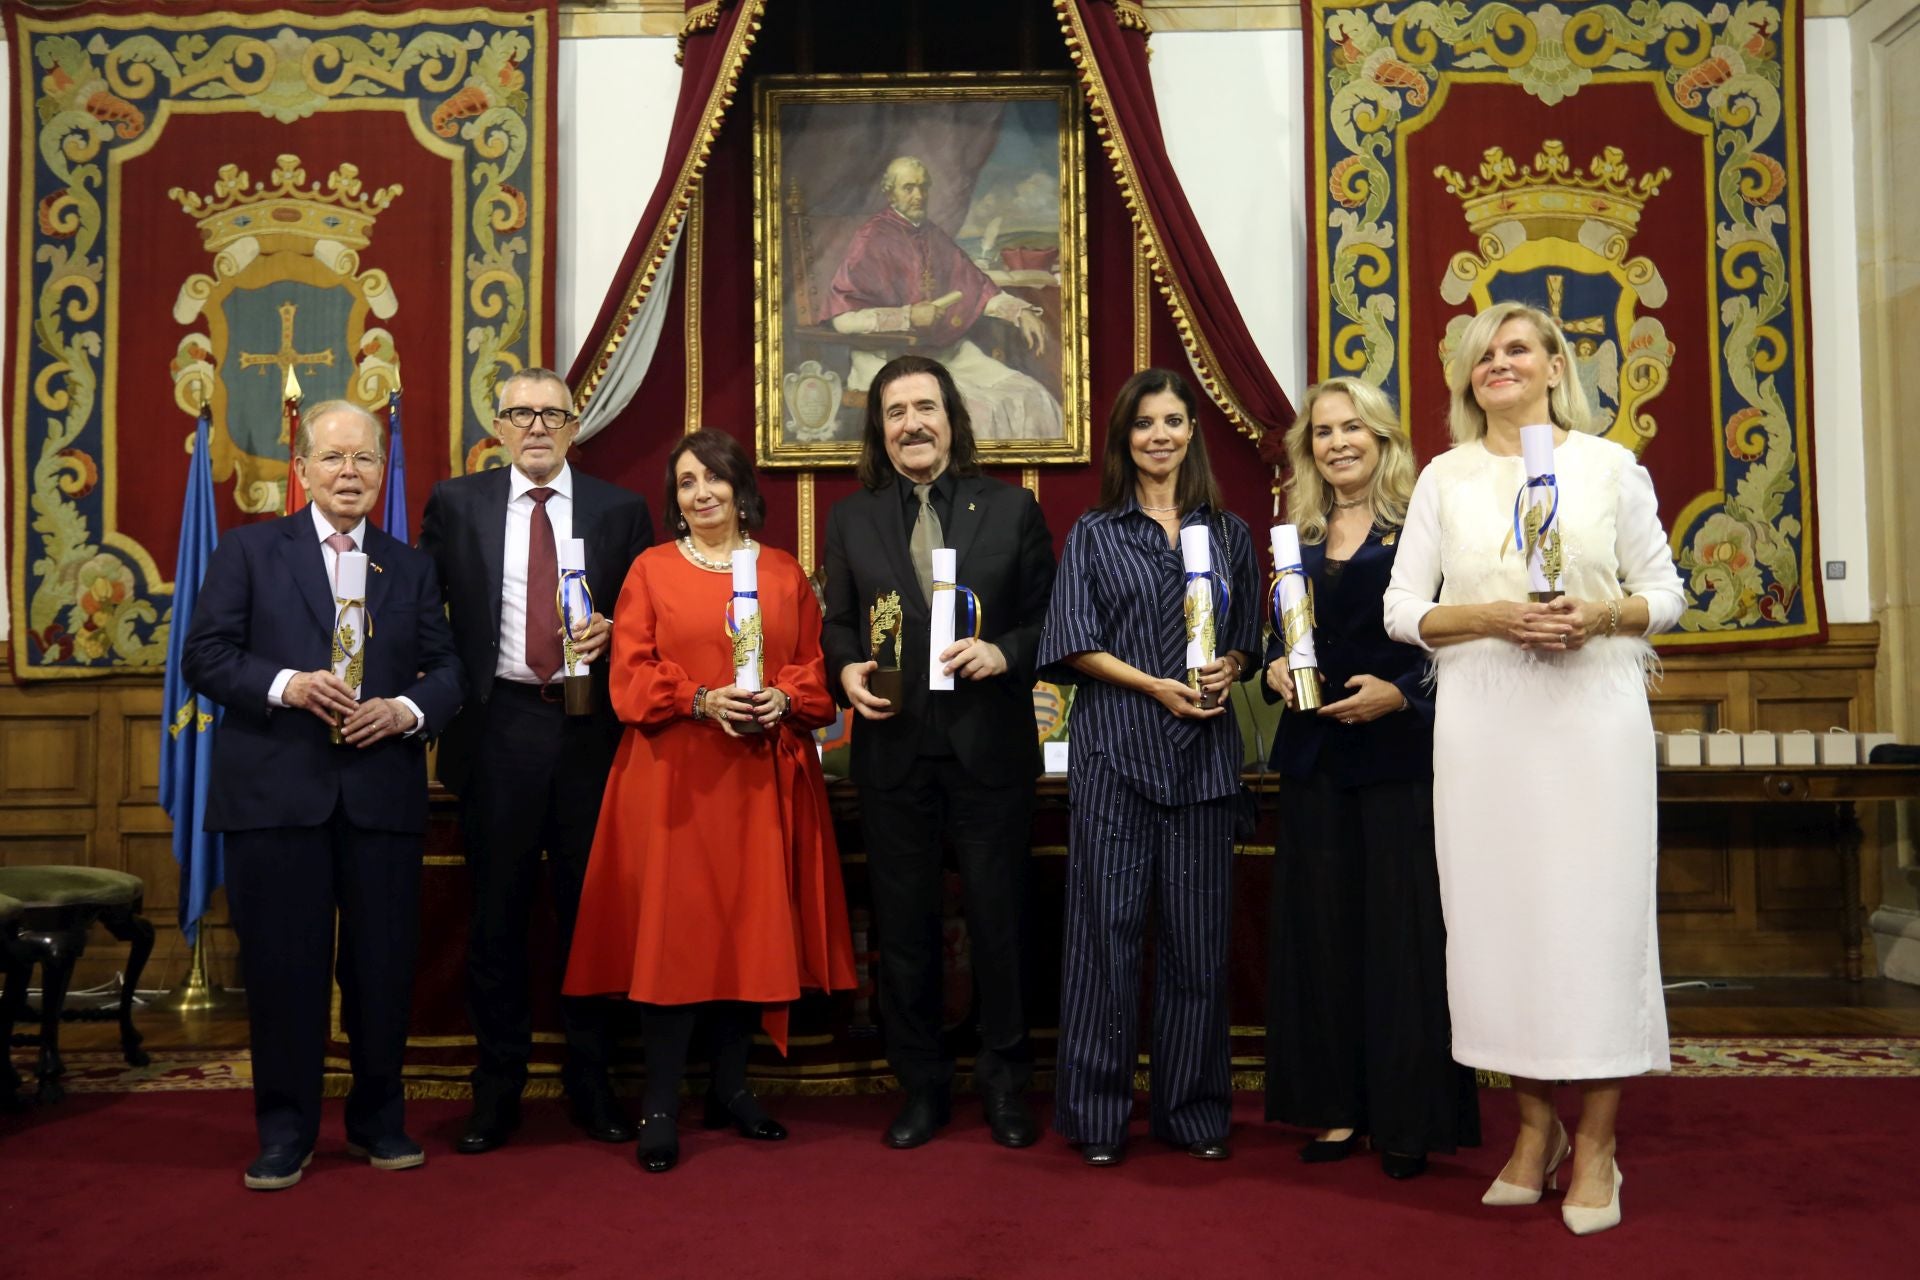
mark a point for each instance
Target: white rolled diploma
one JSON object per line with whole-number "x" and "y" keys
{"x": 573, "y": 559}
{"x": 350, "y": 579}
{"x": 1196, "y": 552}
{"x": 946, "y": 563}
{"x": 746, "y": 606}
{"x": 1536, "y": 451}
{"x": 1293, "y": 593}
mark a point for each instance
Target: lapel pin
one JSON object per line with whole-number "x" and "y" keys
{"x": 969, "y": 506}
{"x": 375, "y": 567}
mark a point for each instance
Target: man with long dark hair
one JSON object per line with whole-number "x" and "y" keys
{"x": 955, "y": 765}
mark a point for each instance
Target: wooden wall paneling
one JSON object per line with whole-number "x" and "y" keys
{"x": 47, "y": 755}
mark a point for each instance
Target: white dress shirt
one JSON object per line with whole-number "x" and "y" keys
{"x": 512, "y": 664}
{"x": 276, "y": 692}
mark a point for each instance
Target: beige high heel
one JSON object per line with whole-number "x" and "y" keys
{"x": 1583, "y": 1221}
{"x": 1507, "y": 1195}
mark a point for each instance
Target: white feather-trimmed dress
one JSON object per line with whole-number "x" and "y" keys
{"x": 1543, "y": 770}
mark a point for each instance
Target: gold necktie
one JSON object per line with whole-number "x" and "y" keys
{"x": 926, "y": 536}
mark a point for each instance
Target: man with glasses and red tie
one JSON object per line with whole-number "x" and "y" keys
{"x": 320, "y": 784}
{"x": 529, "y": 776}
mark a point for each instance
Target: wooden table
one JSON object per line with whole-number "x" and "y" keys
{"x": 1841, "y": 788}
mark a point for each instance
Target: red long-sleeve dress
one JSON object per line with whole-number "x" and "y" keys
{"x": 714, "y": 873}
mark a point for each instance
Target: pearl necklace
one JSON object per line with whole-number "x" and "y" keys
{"x": 711, "y": 566}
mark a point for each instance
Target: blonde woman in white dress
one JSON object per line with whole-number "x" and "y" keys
{"x": 1544, "y": 804}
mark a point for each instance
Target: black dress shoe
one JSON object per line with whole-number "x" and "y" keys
{"x": 395, "y": 1151}
{"x": 1396, "y": 1165}
{"x": 1010, "y": 1118}
{"x": 744, "y": 1113}
{"x": 488, "y": 1127}
{"x": 598, "y": 1114}
{"x": 1103, "y": 1155}
{"x": 1209, "y": 1149}
{"x": 659, "y": 1142}
{"x": 277, "y": 1168}
{"x": 1323, "y": 1152}
{"x": 918, "y": 1119}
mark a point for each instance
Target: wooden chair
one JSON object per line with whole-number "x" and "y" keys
{"x": 57, "y": 907}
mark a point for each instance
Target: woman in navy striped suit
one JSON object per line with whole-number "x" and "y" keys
{"x": 1358, "y": 1041}
{"x": 1154, "y": 782}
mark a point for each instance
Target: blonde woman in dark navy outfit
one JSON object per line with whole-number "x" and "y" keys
{"x": 1154, "y": 784}
{"x": 1358, "y": 1041}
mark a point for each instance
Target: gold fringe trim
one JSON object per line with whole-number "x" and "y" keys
{"x": 692, "y": 167}
{"x": 704, "y": 17}
{"x": 1131, "y": 16}
{"x": 1100, "y": 108}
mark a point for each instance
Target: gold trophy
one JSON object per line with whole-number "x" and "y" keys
{"x": 886, "y": 622}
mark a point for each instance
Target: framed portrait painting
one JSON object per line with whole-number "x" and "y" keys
{"x": 937, "y": 215}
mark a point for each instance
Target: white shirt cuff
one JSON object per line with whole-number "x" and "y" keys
{"x": 277, "y": 691}
{"x": 419, "y": 720}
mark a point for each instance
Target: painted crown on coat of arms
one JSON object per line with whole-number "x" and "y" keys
{"x": 1550, "y": 196}
{"x": 280, "y": 215}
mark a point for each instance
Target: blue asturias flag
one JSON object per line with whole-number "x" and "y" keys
{"x": 187, "y": 717}
{"x": 393, "y": 515}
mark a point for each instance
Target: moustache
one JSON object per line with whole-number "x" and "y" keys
{"x": 917, "y": 437}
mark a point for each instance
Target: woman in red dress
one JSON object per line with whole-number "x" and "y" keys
{"x": 714, "y": 883}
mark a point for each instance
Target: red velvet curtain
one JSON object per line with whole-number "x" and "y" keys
{"x": 1108, "y": 42}
{"x": 705, "y": 194}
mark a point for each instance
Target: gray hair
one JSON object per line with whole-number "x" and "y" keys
{"x": 891, "y": 177}
{"x": 533, "y": 373}
{"x": 311, "y": 418}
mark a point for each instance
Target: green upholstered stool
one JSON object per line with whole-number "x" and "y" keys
{"x": 57, "y": 907}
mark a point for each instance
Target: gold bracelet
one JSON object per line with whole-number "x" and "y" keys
{"x": 1613, "y": 617}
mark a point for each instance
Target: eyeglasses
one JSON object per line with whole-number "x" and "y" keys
{"x": 332, "y": 462}
{"x": 553, "y": 419}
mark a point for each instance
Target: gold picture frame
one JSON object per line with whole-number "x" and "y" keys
{"x": 854, "y": 266}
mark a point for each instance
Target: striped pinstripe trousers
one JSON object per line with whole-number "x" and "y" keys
{"x": 1124, "y": 854}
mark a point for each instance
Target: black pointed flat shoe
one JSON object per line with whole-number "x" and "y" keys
{"x": 1103, "y": 1155}
{"x": 1323, "y": 1152}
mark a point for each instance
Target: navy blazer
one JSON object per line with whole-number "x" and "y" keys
{"x": 1350, "y": 639}
{"x": 464, "y": 529}
{"x": 265, "y": 606}
{"x": 1006, "y": 556}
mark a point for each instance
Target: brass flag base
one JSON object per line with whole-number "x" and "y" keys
{"x": 198, "y": 994}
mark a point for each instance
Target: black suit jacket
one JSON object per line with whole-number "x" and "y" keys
{"x": 464, "y": 529}
{"x": 1006, "y": 556}
{"x": 266, "y": 606}
{"x": 1350, "y": 639}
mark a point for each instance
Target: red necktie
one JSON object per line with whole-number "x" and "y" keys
{"x": 543, "y": 584}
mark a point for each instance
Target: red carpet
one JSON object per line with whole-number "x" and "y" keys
{"x": 1741, "y": 1177}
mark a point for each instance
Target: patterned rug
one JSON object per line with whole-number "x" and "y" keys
{"x": 182, "y": 1070}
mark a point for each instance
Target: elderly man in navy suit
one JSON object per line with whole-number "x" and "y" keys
{"x": 314, "y": 825}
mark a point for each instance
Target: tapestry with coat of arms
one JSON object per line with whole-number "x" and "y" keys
{"x": 1634, "y": 168}
{"x": 216, "y": 207}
